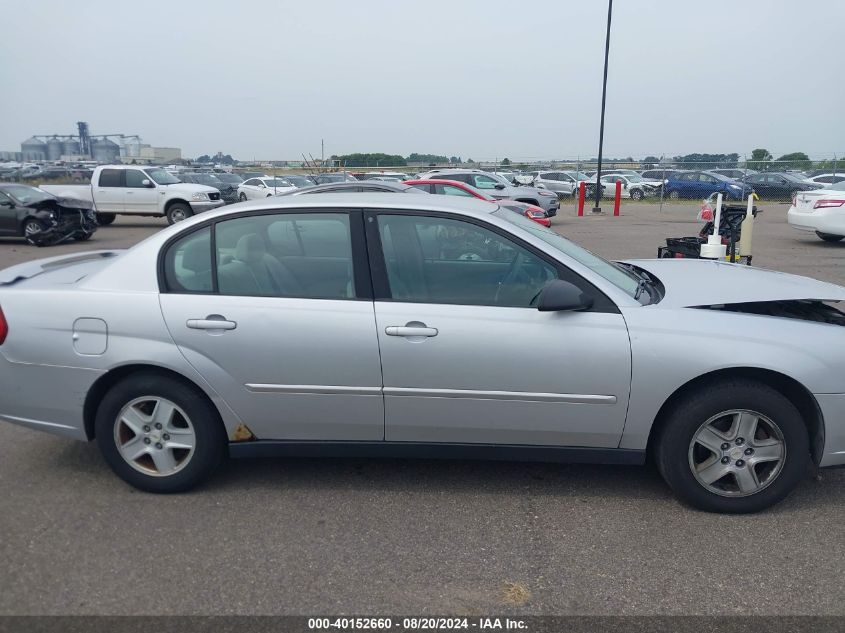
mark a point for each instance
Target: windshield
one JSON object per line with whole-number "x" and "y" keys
{"x": 613, "y": 273}
{"x": 634, "y": 178}
{"x": 299, "y": 181}
{"x": 27, "y": 195}
{"x": 162, "y": 177}
{"x": 232, "y": 178}
{"x": 793, "y": 177}
{"x": 207, "y": 179}
{"x": 276, "y": 182}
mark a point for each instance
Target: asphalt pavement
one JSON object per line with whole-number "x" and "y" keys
{"x": 331, "y": 536}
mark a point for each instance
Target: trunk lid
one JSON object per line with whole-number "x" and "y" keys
{"x": 60, "y": 270}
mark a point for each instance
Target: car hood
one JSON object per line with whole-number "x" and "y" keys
{"x": 701, "y": 282}
{"x": 191, "y": 187}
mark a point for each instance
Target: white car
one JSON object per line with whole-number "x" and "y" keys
{"x": 635, "y": 187}
{"x": 254, "y": 188}
{"x": 821, "y": 211}
{"x": 830, "y": 181}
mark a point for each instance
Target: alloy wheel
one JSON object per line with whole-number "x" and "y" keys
{"x": 154, "y": 436}
{"x": 737, "y": 453}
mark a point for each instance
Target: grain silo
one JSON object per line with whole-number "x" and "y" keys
{"x": 54, "y": 149}
{"x": 70, "y": 147}
{"x": 33, "y": 149}
{"x": 105, "y": 151}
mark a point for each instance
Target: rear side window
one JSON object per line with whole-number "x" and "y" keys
{"x": 187, "y": 264}
{"x": 111, "y": 178}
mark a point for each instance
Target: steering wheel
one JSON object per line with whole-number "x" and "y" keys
{"x": 513, "y": 274}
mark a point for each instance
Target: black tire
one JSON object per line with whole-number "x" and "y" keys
{"x": 242, "y": 197}
{"x": 104, "y": 219}
{"x": 830, "y": 237}
{"x": 637, "y": 194}
{"x": 683, "y": 421}
{"x": 210, "y": 436}
{"x": 32, "y": 227}
{"x": 674, "y": 195}
{"x": 177, "y": 212}
{"x": 84, "y": 237}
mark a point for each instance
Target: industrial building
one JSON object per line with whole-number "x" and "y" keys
{"x": 103, "y": 148}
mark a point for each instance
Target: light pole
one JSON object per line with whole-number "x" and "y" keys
{"x": 597, "y": 208}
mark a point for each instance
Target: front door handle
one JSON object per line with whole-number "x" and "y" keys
{"x": 410, "y": 330}
{"x": 211, "y": 322}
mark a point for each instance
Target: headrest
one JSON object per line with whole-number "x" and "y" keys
{"x": 250, "y": 249}
{"x": 197, "y": 256}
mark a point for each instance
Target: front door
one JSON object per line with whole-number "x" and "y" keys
{"x": 467, "y": 357}
{"x": 9, "y": 224}
{"x": 282, "y": 325}
{"x": 138, "y": 197}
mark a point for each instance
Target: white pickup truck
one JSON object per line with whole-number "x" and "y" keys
{"x": 135, "y": 190}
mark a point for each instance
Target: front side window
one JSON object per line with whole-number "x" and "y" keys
{"x": 451, "y": 190}
{"x": 441, "y": 260}
{"x": 286, "y": 255}
{"x": 484, "y": 182}
{"x": 134, "y": 178}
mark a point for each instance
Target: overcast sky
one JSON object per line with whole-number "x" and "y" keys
{"x": 482, "y": 79}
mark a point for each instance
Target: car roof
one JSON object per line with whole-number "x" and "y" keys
{"x": 358, "y": 200}
{"x": 327, "y": 187}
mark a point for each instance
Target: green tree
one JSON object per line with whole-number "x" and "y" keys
{"x": 506, "y": 161}
{"x": 794, "y": 160}
{"x": 760, "y": 155}
{"x": 373, "y": 159}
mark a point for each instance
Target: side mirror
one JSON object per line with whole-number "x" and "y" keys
{"x": 559, "y": 296}
{"x": 262, "y": 185}
{"x": 499, "y": 186}
{"x": 7, "y": 203}
{"x": 147, "y": 183}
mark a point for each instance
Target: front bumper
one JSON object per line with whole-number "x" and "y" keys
{"x": 549, "y": 205}
{"x": 830, "y": 220}
{"x": 198, "y": 206}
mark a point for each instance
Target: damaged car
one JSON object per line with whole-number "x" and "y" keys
{"x": 423, "y": 326}
{"x": 43, "y": 219}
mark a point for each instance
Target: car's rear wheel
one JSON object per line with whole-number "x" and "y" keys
{"x": 159, "y": 434}
{"x": 735, "y": 446}
{"x": 32, "y": 228}
{"x": 104, "y": 219}
{"x": 177, "y": 212}
{"x": 830, "y": 237}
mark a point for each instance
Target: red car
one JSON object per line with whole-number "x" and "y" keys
{"x": 457, "y": 188}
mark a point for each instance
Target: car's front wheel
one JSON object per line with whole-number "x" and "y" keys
{"x": 177, "y": 212}
{"x": 734, "y": 446}
{"x": 674, "y": 195}
{"x": 830, "y": 237}
{"x": 159, "y": 434}
{"x": 637, "y": 194}
{"x": 32, "y": 230}
{"x": 242, "y": 197}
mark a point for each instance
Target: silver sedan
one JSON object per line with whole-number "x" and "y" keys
{"x": 423, "y": 326}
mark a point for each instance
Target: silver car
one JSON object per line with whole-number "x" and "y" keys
{"x": 423, "y": 326}
{"x": 499, "y": 187}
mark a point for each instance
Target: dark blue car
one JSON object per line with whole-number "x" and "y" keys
{"x": 701, "y": 184}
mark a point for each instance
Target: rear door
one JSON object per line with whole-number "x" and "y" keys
{"x": 280, "y": 322}
{"x": 9, "y": 224}
{"x": 110, "y": 191}
{"x": 467, "y": 357}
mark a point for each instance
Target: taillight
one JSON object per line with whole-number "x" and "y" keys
{"x": 534, "y": 212}
{"x": 830, "y": 202}
{"x": 4, "y": 327}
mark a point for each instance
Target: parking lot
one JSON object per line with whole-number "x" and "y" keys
{"x": 409, "y": 537}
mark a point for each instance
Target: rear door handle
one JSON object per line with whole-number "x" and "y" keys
{"x": 405, "y": 330}
{"x": 211, "y": 322}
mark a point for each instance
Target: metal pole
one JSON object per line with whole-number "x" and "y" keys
{"x": 597, "y": 208}
{"x": 662, "y": 187}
